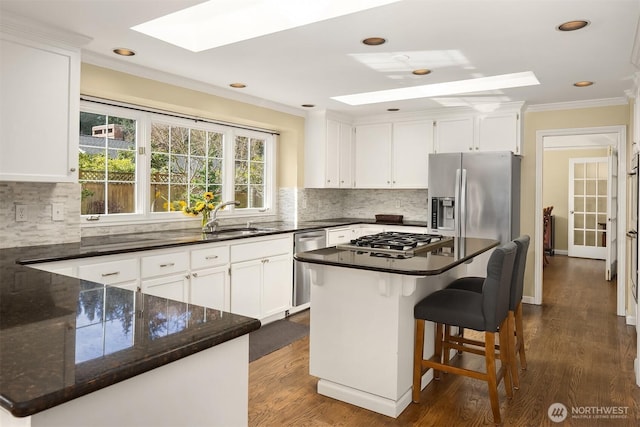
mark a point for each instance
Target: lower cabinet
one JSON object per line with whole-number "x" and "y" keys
{"x": 173, "y": 287}
{"x": 210, "y": 288}
{"x": 262, "y": 277}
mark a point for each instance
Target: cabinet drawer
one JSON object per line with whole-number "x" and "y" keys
{"x": 209, "y": 257}
{"x": 261, "y": 249}
{"x": 338, "y": 236}
{"x": 110, "y": 272}
{"x": 165, "y": 263}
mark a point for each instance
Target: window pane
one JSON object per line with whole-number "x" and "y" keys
{"x": 215, "y": 145}
{"x": 256, "y": 173}
{"x": 241, "y": 196}
{"x": 198, "y": 142}
{"x": 257, "y": 150}
{"x": 242, "y": 172}
{"x": 578, "y": 237}
{"x": 107, "y": 160}
{"x": 179, "y": 140}
{"x": 578, "y": 187}
{"x": 160, "y": 138}
{"x": 179, "y": 166}
{"x": 256, "y": 198}
{"x": 198, "y": 170}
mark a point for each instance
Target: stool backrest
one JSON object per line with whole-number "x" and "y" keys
{"x": 517, "y": 283}
{"x": 497, "y": 285}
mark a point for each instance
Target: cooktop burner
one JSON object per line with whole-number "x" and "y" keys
{"x": 394, "y": 242}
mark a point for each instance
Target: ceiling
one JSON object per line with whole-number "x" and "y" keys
{"x": 456, "y": 39}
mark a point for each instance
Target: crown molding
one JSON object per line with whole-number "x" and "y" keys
{"x": 572, "y": 105}
{"x": 173, "y": 79}
{"x": 19, "y": 26}
{"x": 635, "y": 51}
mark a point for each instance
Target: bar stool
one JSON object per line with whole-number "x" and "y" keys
{"x": 515, "y": 307}
{"x": 484, "y": 311}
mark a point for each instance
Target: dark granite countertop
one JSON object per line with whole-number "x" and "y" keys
{"x": 62, "y": 337}
{"x": 422, "y": 264}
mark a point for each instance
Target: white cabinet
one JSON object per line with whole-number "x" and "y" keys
{"x": 372, "y": 153}
{"x": 39, "y": 109}
{"x": 338, "y": 236}
{"x": 111, "y": 271}
{"x": 393, "y": 155}
{"x": 454, "y": 135}
{"x": 209, "y": 284}
{"x": 412, "y": 143}
{"x": 165, "y": 274}
{"x": 262, "y": 277}
{"x": 328, "y": 152}
{"x": 498, "y": 131}
{"x": 172, "y": 287}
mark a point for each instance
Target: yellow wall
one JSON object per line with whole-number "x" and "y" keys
{"x": 555, "y": 188}
{"x": 118, "y": 86}
{"x": 558, "y": 119}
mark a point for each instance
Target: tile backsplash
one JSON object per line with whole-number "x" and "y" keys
{"x": 293, "y": 204}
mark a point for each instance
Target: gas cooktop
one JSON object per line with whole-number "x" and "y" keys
{"x": 396, "y": 243}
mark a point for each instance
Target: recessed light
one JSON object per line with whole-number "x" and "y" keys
{"x": 374, "y": 41}
{"x": 573, "y": 25}
{"x": 308, "y": 105}
{"x": 123, "y": 51}
{"x": 238, "y": 85}
{"x": 393, "y": 109}
{"x": 421, "y": 72}
{"x": 583, "y": 83}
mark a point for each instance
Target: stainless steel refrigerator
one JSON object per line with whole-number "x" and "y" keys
{"x": 475, "y": 195}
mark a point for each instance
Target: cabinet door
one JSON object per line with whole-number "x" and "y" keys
{"x": 210, "y": 288}
{"x": 170, "y": 287}
{"x": 39, "y": 109}
{"x": 277, "y": 285}
{"x": 338, "y": 236}
{"x": 454, "y": 135}
{"x": 499, "y": 132}
{"x": 246, "y": 285}
{"x": 332, "y": 171}
{"x": 373, "y": 156}
{"x": 346, "y": 156}
{"x": 412, "y": 143}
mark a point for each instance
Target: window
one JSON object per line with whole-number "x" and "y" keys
{"x": 138, "y": 166}
{"x": 107, "y": 171}
{"x": 250, "y": 178}
{"x": 185, "y": 163}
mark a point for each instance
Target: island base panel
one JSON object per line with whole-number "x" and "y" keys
{"x": 207, "y": 388}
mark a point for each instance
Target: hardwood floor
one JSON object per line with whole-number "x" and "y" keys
{"x": 579, "y": 353}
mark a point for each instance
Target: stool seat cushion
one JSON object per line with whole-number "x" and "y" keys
{"x": 473, "y": 284}
{"x": 452, "y": 307}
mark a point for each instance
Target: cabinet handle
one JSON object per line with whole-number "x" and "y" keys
{"x": 211, "y": 257}
{"x": 187, "y": 276}
{"x": 470, "y": 148}
{"x": 169, "y": 264}
{"x": 72, "y": 170}
{"x": 265, "y": 260}
{"x": 194, "y": 275}
{"x": 115, "y": 273}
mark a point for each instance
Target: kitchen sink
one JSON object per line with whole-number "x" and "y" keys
{"x": 240, "y": 231}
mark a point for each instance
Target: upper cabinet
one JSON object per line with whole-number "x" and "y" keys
{"x": 39, "y": 105}
{"x": 328, "y": 152}
{"x": 372, "y": 152}
{"x": 497, "y": 131}
{"x": 393, "y": 155}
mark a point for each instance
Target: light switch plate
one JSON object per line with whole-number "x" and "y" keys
{"x": 57, "y": 211}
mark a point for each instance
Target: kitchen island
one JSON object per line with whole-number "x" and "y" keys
{"x": 79, "y": 353}
{"x": 362, "y": 324}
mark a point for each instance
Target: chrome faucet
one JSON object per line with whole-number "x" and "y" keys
{"x": 212, "y": 225}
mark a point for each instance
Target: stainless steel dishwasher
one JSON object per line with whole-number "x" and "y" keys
{"x": 302, "y": 242}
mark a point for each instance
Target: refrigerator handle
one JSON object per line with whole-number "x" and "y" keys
{"x": 463, "y": 204}
{"x": 456, "y": 207}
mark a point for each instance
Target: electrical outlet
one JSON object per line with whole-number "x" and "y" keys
{"x": 21, "y": 213}
{"x": 57, "y": 211}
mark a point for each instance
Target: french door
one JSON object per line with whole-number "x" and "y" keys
{"x": 588, "y": 203}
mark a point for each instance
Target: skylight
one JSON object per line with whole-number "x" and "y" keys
{"x": 221, "y": 22}
{"x": 480, "y": 84}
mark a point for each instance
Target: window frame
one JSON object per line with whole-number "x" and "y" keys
{"x": 144, "y": 120}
